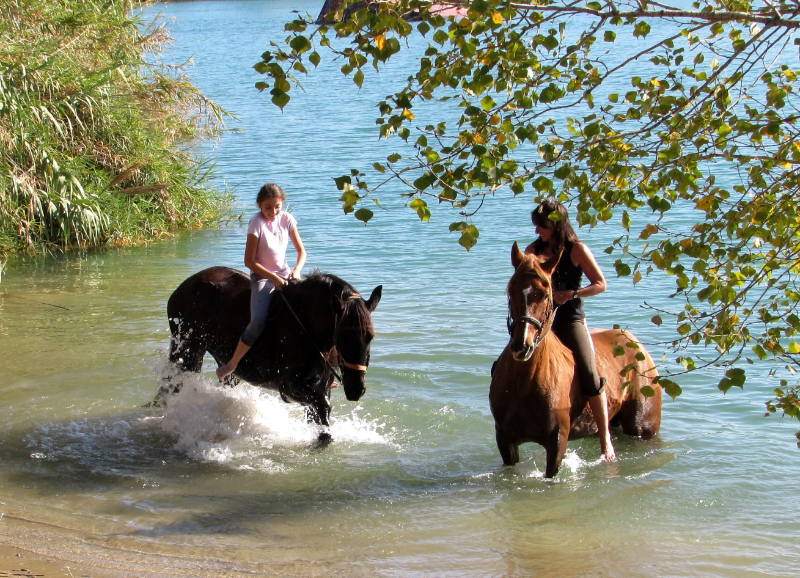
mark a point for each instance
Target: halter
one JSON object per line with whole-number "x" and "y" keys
{"x": 361, "y": 368}
{"x": 543, "y": 329}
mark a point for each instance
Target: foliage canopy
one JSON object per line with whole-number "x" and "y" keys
{"x": 632, "y": 111}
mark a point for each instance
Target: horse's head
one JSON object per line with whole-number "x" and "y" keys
{"x": 353, "y": 339}
{"x": 530, "y": 302}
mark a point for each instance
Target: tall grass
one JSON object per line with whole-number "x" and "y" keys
{"x": 95, "y": 133}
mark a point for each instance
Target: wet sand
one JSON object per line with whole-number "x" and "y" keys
{"x": 24, "y": 564}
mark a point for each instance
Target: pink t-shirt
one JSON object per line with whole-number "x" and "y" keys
{"x": 273, "y": 238}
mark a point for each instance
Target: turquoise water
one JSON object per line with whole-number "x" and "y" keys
{"x": 224, "y": 482}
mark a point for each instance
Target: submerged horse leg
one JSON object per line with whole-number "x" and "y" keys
{"x": 319, "y": 413}
{"x": 509, "y": 451}
{"x": 556, "y": 446}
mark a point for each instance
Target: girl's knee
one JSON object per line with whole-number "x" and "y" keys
{"x": 251, "y": 333}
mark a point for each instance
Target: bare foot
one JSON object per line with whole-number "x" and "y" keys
{"x": 608, "y": 451}
{"x": 224, "y": 370}
{"x": 334, "y": 384}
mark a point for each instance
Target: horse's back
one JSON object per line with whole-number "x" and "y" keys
{"x": 204, "y": 289}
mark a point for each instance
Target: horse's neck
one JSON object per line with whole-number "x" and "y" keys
{"x": 549, "y": 358}
{"x": 316, "y": 312}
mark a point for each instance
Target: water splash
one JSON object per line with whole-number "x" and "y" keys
{"x": 239, "y": 425}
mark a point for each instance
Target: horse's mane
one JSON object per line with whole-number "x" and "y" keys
{"x": 355, "y": 309}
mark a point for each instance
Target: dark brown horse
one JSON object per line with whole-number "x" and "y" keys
{"x": 319, "y": 323}
{"x": 535, "y": 395}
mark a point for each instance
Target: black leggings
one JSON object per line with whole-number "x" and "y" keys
{"x": 575, "y": 335}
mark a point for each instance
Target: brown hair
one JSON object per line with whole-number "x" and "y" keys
{"x": 563, "y": 232}
{"x": 270, "y": 191}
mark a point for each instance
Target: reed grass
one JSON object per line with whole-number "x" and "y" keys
{"x": 96, "y": 135}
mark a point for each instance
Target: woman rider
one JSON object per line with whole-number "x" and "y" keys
{"x": 557, "y": 236}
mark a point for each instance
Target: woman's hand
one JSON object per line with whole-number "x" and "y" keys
{"x": 561, "y": 297}
{"x": 279, "y": 283}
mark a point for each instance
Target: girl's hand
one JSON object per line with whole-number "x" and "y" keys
{"x": 279, "y": 283}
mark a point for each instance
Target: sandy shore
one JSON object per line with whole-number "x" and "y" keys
{"x": 23, "y": 564}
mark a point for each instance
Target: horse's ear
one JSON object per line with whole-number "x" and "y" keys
{"x": 516, "y": 255}
{"x": 549, "y": 266}
{"x": 374, "y": 299}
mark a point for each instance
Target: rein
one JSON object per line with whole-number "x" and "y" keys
{"x": 322, "y": 355}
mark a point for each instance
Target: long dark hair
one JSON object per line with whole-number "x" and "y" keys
{"x": 563, "y": 232}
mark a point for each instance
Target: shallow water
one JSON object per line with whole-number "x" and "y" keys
{"x": 225, "y": 482}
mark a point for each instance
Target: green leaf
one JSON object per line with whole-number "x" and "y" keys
{"x": 623, "y": 269}
{"x": 300, "y": 44}
{"x": 358, "y": 78}
{"x": 647, "y": 391}
{"x": 363, "y": 215}
{"x": 342, "y": 181}
{"x": 641, "y": 29}
{"x": 422, "y": 183}
{"x": 618, "y": 351}
{"x": 610, "y": 36}
{"x": 543, "y": 184}
{"x": 421, "y": 207}
{"x": 671, "y": 388}
{"x": 469, "y": 237}
{"x": 734, "y": 377}
{"x": 280, "y": 99}
{"x": 314, "y": 58}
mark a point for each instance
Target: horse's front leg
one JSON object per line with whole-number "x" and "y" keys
{"x": 319, "y": 410}
{"x": 509, "y": 451}
{"x": 556, "y": 445}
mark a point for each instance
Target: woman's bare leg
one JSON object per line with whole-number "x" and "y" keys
{"x": 231, "y": 366}
{"x": 600, "y": 412}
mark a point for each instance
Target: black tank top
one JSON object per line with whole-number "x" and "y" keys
{"x": 567, "y": 276}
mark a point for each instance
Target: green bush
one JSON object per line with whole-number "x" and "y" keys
{"x": 95, "y": 133}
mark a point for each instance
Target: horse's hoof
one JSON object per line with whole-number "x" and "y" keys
{"x": 323, "y": 440}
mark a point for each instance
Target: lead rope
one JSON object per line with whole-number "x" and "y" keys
{"x": 303, "y": 327}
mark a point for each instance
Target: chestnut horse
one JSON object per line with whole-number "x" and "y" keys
{"x": 312, "y": 326}
{"x": 535, "y": 395}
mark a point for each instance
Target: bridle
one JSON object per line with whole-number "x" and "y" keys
{"x": 543, "y": 327}
{"x": 341, "y": 361}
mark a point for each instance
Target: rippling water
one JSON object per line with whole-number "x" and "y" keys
{"x": 225, "y": 482}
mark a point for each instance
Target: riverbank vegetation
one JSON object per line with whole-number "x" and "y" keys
{"x": 677, "y": 123}
{"x": 96, "y": 135}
